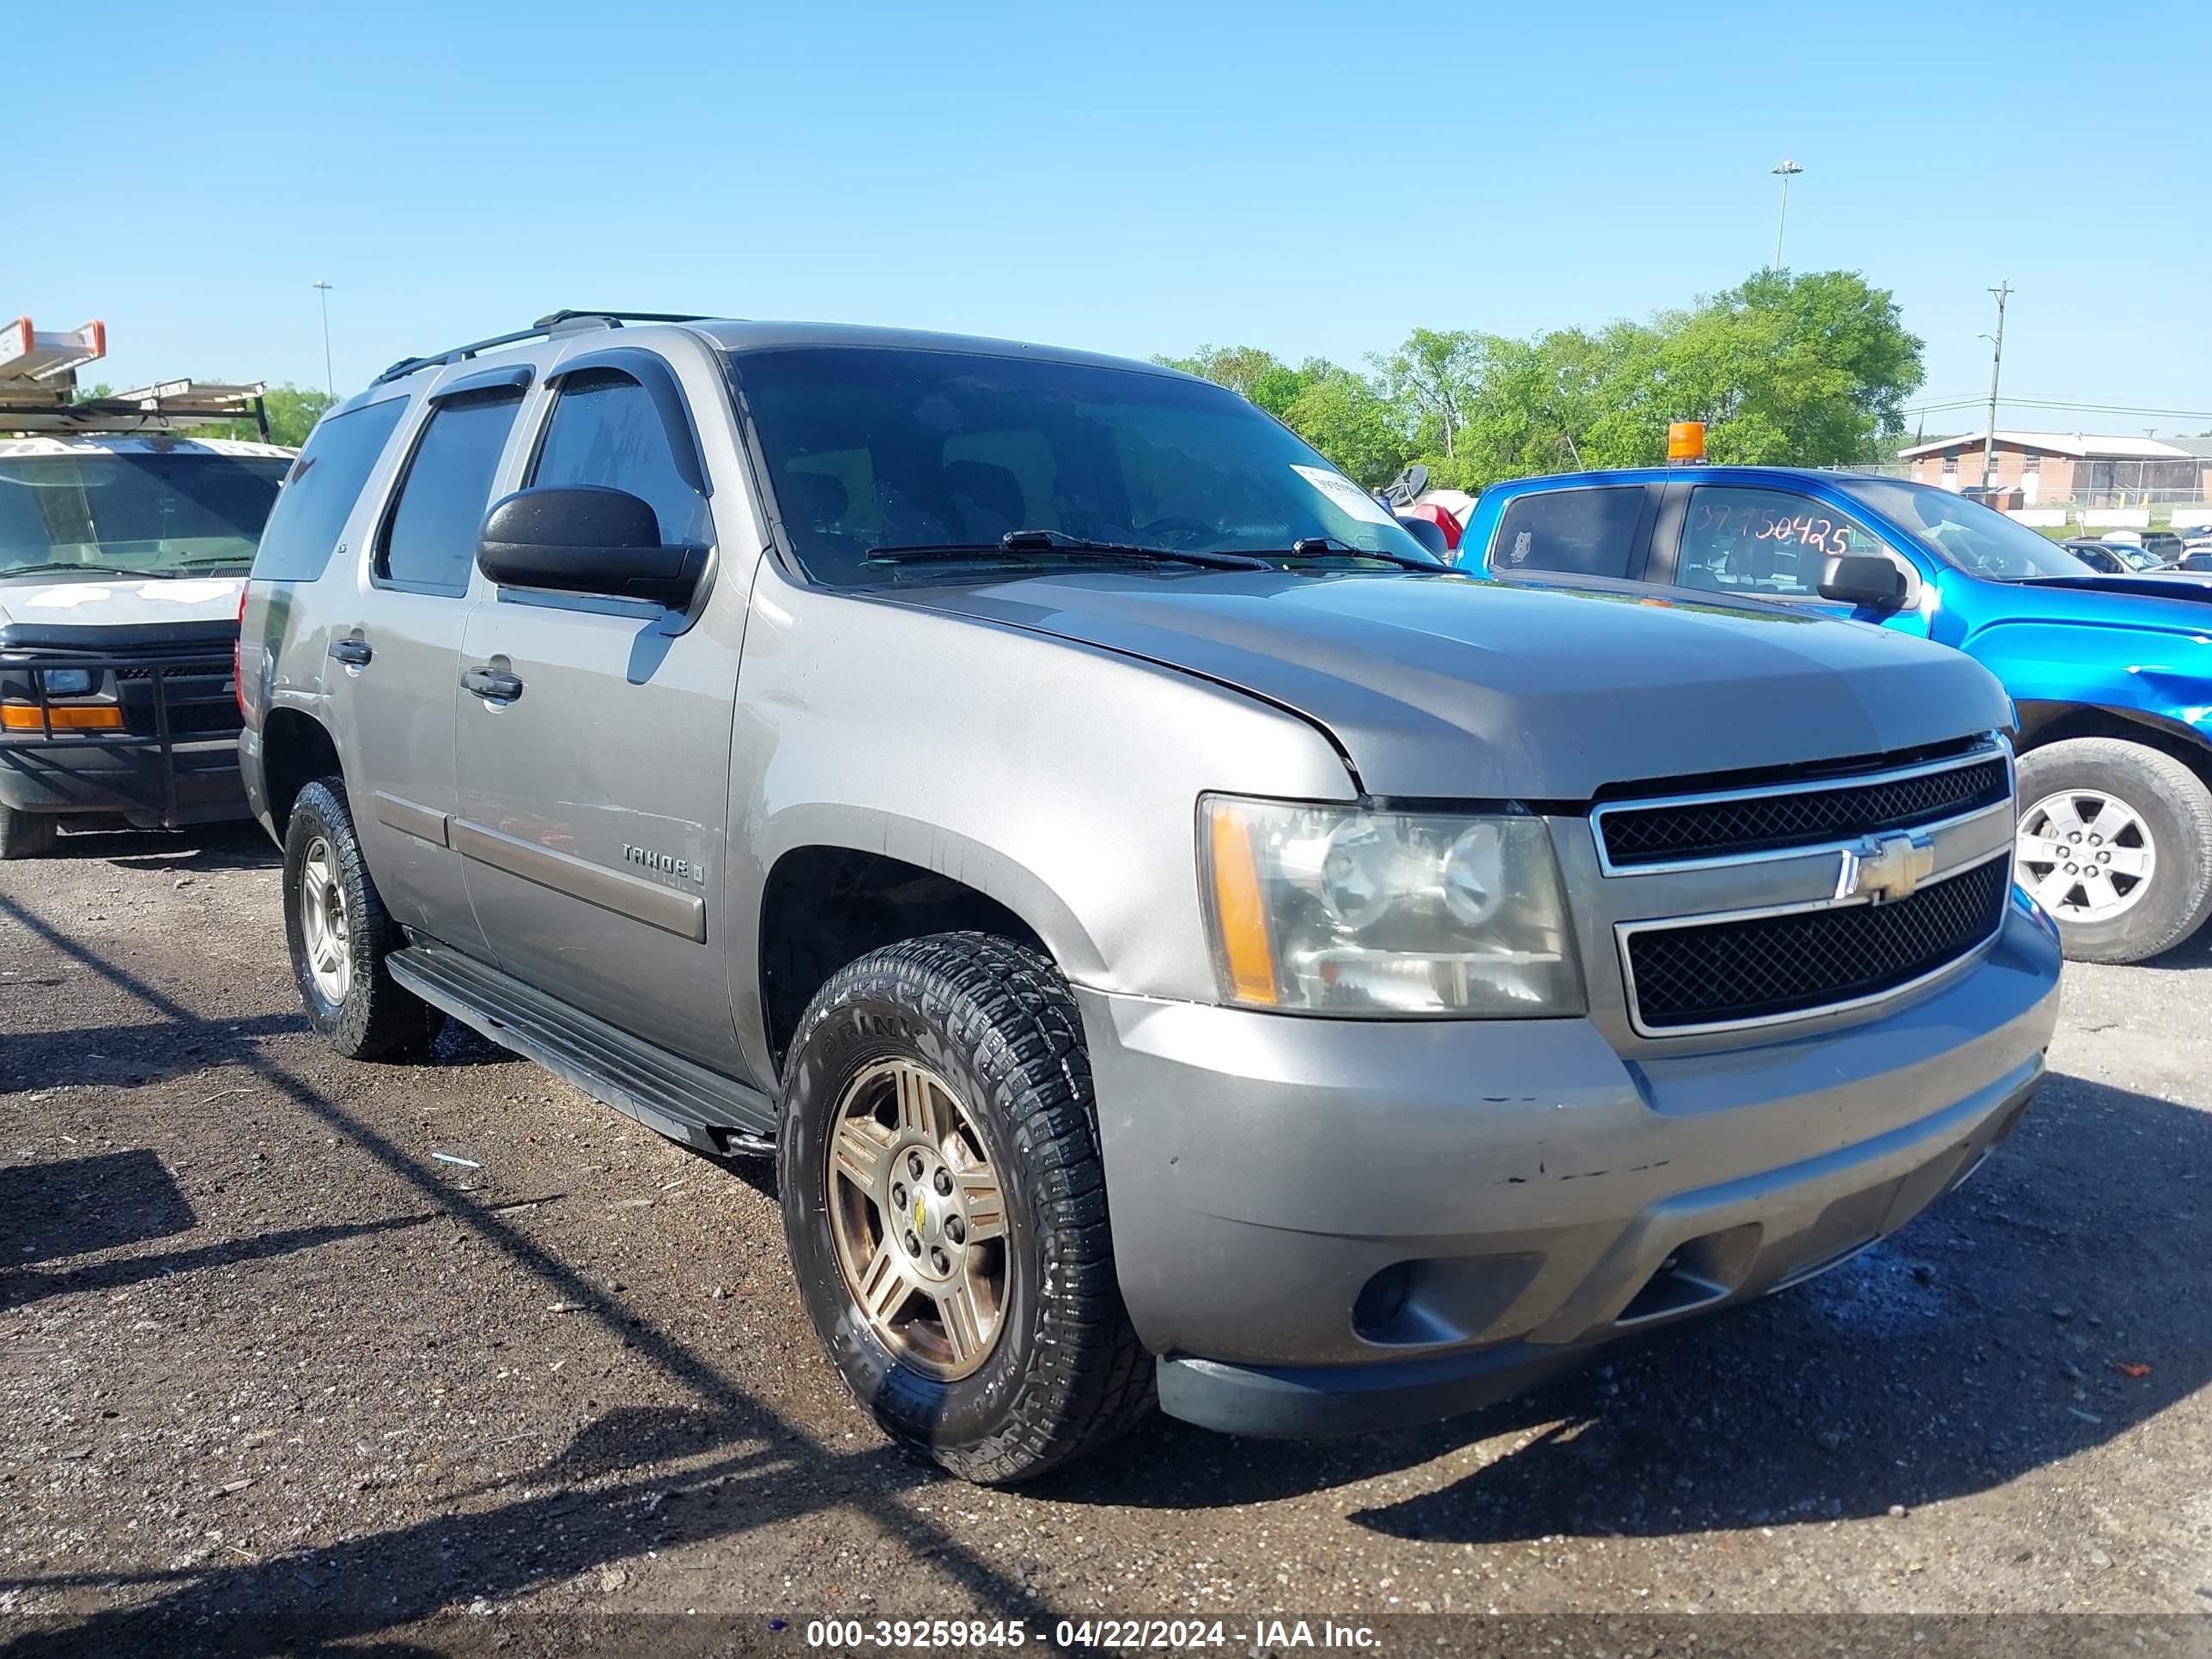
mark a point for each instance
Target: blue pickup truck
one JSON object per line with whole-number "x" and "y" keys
{"x": 2111, "y": 676}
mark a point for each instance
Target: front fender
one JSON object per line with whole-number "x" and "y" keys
{"x": 2159, "y": 677}
{"x": 1060, "y": 779}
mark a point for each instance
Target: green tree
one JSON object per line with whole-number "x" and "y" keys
{"x": 1811, "y": 369}
{"x": 1432, "y": 378}
{"x": 1340, "y": 414}
{"x": 292, "y": 411}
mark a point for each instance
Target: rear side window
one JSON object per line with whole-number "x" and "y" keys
{"x": 321, "y": 491}
{"x": 1583, "y": 532}
{"x": 430, "y": 538}
{"x": 605, "y": 431}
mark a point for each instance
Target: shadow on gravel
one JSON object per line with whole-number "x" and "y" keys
{"x": 128, "y": 1055}
{"x": 1986, "y": 1340}
{"x": 19, "y": 1289}
{"x": 75, "y": 1205}
{"x": 242, "y": 846}
{"x": 744, "y": 1467}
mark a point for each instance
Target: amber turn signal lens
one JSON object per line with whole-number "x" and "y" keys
{"x": 94, "y": 717}
{"x": 1239, "y": 911}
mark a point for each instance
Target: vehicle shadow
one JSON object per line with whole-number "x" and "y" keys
{"x": 197, "y": 848}
{"x": 128, "y": 1055}
{"x": 2000, "y": 1332}
{"x": 73, "y": 1206}
{"x": 20, "y": 1288}
{"x": 729, "y": 1464}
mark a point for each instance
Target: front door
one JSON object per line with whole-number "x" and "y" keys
{"x": 594, "y": 749}
{"x": 394, "y": 664}
{"x": 1756, "y": 542}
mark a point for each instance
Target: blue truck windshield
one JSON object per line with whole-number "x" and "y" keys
{"x": 1978, "y": 539}
{"x": 872, "y": 448}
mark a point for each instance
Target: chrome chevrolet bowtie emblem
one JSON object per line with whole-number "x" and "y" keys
{"x": 1886, "y": 867}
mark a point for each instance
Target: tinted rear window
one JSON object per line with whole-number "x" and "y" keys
{"x": 1583, "y": 532}
{"x": 430, "y": 539}
{"x": 321, "y": 491}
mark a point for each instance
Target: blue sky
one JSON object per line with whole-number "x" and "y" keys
{"x": 1132, "y": 178}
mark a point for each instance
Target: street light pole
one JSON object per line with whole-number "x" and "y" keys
{"x": 1786, "y": 172}
{"x": 2003, "y": 291}
{"x": 329, "y": 380}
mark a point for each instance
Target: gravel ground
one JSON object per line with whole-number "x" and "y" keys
{"x": 261, "y": 1351}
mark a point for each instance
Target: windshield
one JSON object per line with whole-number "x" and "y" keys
{"x": 870, "y": 448}
{"x": 150, "y": 514}
{"x": 2137, "y": 558}
{"x": 1978, "y": 539}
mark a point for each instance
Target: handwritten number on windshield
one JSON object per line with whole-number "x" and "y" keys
{"x": 1763, "y": 524}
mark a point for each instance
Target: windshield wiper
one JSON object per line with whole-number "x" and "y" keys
{"x": 7, "y": 571}
{"x": 1330, "y": 547}
{"x": 1017, "y": 542}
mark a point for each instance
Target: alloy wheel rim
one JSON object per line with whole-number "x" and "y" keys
{"x": 2088, "y": 856}
{"x": 326, "y": 926}
{"x": 919, "y": 1221}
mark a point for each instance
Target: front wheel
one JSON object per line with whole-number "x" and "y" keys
{"x": 2116, "y": 842}
{"x": 946, "y": 1206}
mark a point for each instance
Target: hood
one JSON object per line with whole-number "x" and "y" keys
{"x": 2153, "y": 599}
{"x": 1445, "y": 688}
{"x": 38, "y": 603}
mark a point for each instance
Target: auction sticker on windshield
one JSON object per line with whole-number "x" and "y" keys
{"x": 1346, "y": 494}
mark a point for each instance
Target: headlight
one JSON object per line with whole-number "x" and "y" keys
{"x": 1340, "y": 910}
{"x": 68, "y": 682}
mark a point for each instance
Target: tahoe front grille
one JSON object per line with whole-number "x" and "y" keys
{"x": 1740, "y": 824}
{"x": 1701, "y": 975}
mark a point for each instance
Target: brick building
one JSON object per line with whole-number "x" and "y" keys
{"x": 2081, "y": 468}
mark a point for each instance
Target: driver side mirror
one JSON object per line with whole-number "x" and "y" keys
{"x": 1863, "y": 579}
{"x": 587, "y": 539}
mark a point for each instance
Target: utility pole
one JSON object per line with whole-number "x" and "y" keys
{"x": 1787, "y": 171}
{"x": 2003, "y": 291}
{"x": 329, "y": 380}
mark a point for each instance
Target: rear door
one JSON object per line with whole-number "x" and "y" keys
{"x": 595, "y": 796}
{"x": 1755, "y": 541}
{"x": 395, "y": 661}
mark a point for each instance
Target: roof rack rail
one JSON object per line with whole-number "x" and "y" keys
{"x": 553, "y": 323}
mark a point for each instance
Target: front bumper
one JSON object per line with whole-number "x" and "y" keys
{"x": 1330, "y": 1225}
{"x": 124, "y": 778}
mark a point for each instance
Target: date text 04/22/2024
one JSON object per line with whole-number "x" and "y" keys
{"x": 1170, "y": 1634}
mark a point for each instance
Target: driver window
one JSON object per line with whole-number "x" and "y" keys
{"x": 1764, "y": 544}
{"x": 605, "y": 431}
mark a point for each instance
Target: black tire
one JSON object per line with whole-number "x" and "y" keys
{"x": 374, "y": 1018}
{"x": 995, "y": 1022}
{"x": 26, "y": 835}
{"x": 2175, "y": 808}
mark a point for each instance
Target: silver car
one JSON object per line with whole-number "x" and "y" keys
{"x": 1175, "y": 937}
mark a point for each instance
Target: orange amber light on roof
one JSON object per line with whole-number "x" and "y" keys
{"x": 1686, "y": 440}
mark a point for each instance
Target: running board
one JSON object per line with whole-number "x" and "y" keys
{"x": 672, "y": 1095}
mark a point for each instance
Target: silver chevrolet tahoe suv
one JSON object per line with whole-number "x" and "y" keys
{"x": 1175, "y": 938}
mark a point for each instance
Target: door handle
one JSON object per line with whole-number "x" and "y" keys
{"x": 491, "y": 684}
{"x": 353, "y": 653}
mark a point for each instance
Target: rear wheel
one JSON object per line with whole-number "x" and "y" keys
{"x": 2116, "y": 842}
{"x": 26, "y": 835}
{"x": 946, "y": 1206}
{"x": 340, "y": 934}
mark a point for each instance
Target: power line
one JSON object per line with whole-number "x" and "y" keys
{"x": 2056, "y": 402}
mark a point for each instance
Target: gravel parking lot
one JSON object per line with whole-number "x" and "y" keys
{"x": 263, "y": 1351}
